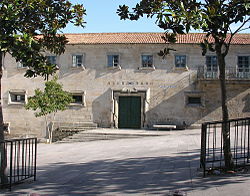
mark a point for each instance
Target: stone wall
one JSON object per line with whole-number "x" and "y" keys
{"x": 167, "y": 87}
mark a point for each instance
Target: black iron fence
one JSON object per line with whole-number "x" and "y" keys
{"x": 212, "y": 156}
{"x": 18, "y": 160}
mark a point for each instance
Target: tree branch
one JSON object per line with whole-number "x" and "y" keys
{"x": 239, "y": 29}
{"x": 242, "y": 25}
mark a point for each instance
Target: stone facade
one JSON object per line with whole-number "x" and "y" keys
{"x": 165, "y": 89}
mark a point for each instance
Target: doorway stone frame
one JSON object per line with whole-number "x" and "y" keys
{"x": 116, "y": 93}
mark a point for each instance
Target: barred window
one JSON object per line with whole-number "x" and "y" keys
{"x": 180, "y": 61}
{"x": 147, "y": 60}
{"x": 77, "y": 60}
{"x": 113, "y": 60}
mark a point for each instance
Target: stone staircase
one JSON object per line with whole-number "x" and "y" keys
{"x": 79, "y": 126}
{"x": 67, "y": 129}
{"x": 87, "y": 136}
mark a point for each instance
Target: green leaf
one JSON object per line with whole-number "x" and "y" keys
{"x": 51, "y": 100}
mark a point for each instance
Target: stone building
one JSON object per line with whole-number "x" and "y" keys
{"x": 118, "y": 80}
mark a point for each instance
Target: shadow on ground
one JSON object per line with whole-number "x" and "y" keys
{"x": 145, "y": 175}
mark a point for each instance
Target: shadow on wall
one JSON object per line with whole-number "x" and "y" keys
{"x": 105, "y": 71}
{"x": 66, "y": 72}
{"x": 246, "y": 99}
{"x": 172, "y": 109}
{"x": 101, "y": 109}
{"x": 96, "y": 72}
{"x": 100, "y": 72}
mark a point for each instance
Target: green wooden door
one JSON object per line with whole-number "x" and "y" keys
{"x": 129, "y": 112}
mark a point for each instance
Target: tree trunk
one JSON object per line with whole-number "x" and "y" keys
{"x": 50, "y": 132}
{"x": 225, "y": 117}
{"x": 47, "y": 127}
{"x": 52, "y": 128}
{"x": 3, "y": 152}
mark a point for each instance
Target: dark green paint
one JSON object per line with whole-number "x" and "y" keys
{"x": 129, "y": 112}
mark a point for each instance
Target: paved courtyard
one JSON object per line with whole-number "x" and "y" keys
{"x": 151, "y": 165}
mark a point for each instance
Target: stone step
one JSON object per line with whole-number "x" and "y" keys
{"x": 195, "y": 126}
{"x": 64, "y": 128}
{"x": 74, "y": 124}
{"x": 101, "y": 136}
{"x": 87, "y": 136}
{"x": 87, "y": 140}
{"x": 67, "y": 126}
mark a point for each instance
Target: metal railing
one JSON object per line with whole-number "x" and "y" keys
{"x": 212, "y": 156}
{"x": 232, "y": 73}
{"x": 18, "y": 160}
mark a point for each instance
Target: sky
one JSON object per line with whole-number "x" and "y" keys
{"x": 102, "y": 18}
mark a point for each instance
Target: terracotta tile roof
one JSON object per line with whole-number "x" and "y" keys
{"x": 143, "y": 38}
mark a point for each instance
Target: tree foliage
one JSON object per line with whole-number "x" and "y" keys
{"x": 49, "y": 102}
{"x": 220, "y": 20}
{"x": 30, "y": 27}
{"x": 213, "y": 17}
{"x": 52, "y": 99}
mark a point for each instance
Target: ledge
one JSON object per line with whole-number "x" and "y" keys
{"x": 114, "y": 67}
{"x": 180, "y": 68}
{"x": 78, "y": 67}
{"x": 195, "y": 106}
{"x": 147, "y": 68}
{"x": 77, "y": 105}
{"x": 164, "y": 126}
{"x": 16, "y": 104}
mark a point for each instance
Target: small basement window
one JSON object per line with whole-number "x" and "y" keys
{"x": 17, "y": 97}
{"x": 194, "y": 100}
{"x": 78, "y": 99}
{"x": 21, "y": 65}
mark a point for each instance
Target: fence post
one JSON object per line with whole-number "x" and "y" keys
{"x": 248, "y": 142}
{"x": 10, "y": 156}
{"x": 35, "y": 159}
{"x": 11, "y": 163}
{"x": 203, "y": 148}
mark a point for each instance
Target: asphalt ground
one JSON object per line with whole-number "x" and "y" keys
{"x": 148, "y": 165}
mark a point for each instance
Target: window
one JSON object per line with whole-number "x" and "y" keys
{"x": 78, "y": 98}
{"x": 6, "y": 127}
{"x": 211, "y": 63}
{"x": 51, "y": 59}
{"x": 211, "y": 67}
{"x": 77, "y": 60}
{"x": 180, "y": 61}
{"x": 147, "y": 60}
{"x": 17, "y": 97}
{"x": 243, "y": 63}
{"x": 194, "y": 100}
{"x": 21, "y": 65}
{"x": 113, "y": 60}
